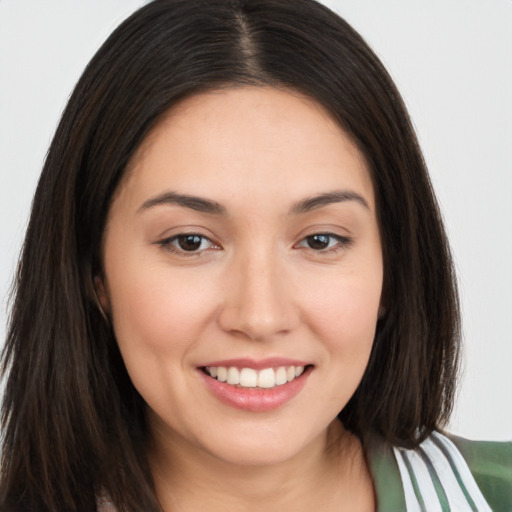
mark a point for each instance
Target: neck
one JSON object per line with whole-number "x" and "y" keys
{"x": 332, "y": 469}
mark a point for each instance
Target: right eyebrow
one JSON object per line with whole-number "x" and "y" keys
{"x": 321, "y": 200}
{"x": 196, "y": 203}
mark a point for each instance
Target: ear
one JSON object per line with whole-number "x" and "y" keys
{"x": 381, "y": 313}
{"x": 101, "y": 295}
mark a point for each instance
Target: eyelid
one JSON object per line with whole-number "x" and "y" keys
{"x": 166, "y": 243}
{"x": 342, "y": 242}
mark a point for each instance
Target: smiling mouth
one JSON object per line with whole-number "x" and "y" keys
{"x": 266, "y": 378}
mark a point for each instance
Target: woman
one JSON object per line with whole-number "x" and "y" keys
{"x": 235, "y": 289}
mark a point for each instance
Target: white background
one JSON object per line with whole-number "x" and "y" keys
{"x": 452, "y": 61}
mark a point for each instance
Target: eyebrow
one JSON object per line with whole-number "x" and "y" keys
{"x": 198, "y": 204}
{"x": 319, "y": 201}
{"x": 203, "y": 205}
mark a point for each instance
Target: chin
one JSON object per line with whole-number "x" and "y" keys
{"x": 261, "y": 455}
{"x": 261, "y": 444}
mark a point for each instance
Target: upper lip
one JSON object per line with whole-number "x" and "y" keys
{"x": 271, "y": 362}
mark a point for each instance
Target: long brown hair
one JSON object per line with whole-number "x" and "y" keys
{"x": 73, "y": 424}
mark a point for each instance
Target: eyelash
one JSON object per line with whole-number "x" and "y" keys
{"x": 167, "y": 244}
{"x": 341, "y": 242}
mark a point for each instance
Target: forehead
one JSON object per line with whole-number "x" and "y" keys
{"x": 250, "y": 139}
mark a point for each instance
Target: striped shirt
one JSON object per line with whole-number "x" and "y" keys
{"x": 443, "y": 474}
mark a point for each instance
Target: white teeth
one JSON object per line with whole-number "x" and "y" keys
{"x": 222, "y": 374}
{"x": 250, "y": 378}
{"x": 233, "y": 376}
{"x": 281, "y": 376}
{"x": 267, "y": 378}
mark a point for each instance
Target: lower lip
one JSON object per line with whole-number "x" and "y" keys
{"x": 256, "y": 400}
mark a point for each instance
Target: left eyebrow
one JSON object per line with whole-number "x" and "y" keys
{"x": 198, "y": 204}
{"x": 321, "y": 200}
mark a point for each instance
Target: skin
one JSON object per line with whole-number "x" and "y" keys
{"x": 255, "y": 287}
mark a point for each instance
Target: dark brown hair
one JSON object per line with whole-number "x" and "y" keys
{"x": 73, "y": 424}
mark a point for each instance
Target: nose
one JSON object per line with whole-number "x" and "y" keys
{"x": 258, "y": 299}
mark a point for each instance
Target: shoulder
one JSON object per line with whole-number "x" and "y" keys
{"x": 490, "y": 463}
{"x": 443, "y": 473}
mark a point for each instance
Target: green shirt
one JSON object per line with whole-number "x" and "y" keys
{"x": 442, "y": 474}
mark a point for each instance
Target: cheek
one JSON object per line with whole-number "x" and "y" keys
{"x": 158, "y": 318}
{"x": 343, "y": 313}
{"x": 347, "y": 305}
{"x": 344, "y": 318}
{"x": 157, "y": 311}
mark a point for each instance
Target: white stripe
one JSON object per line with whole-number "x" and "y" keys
{"x": 465, "y": 474}
{"x": 411, "y": 502}
{"x": 425, "y": 484}
{"x": 456, "y": 498}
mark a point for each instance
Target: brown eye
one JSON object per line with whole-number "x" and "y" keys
{"x": 189, "y": 242}
{"x": 318, "y": 242}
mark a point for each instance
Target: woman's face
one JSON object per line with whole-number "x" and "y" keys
{"x": 243, "y": 273}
